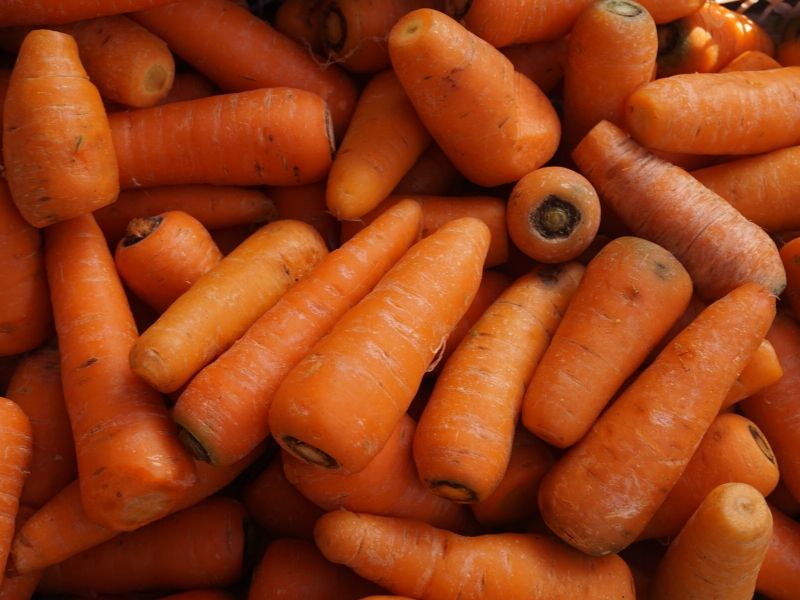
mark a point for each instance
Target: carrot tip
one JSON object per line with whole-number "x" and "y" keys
{"x": 193, "y": 445}
{"x": 309, "y": 453}
{"x": 457, "y": 492}
{"x": 555, "y": 218}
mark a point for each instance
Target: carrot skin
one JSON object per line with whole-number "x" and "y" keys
{"x": 763, "y": 370}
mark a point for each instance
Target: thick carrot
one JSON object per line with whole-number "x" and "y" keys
{"x": 384, "y": 139}
{"x": 239, "y": 51}
{"x": 790, "y": 255}
{"x": 665, "y": 11}
{"x": 45, "y": 12}
{"x": 493, "y": 123}
{"x": 718, "y": 246}
{"x": 224, "y": 411}
{"x": 553, "y": 214}
{"x": 541, "y": 62}
{"x": 415, "y": 559}
{"x": 269, "y": 136}
{"x": 719, "y": 551}
{"x": 752, "y": 60}
{"x": 630, "y": 295}
{"x": 220, "y": 306}
{"x": 763, "y": 369}
{"x": 433, "y": 174}
{"x": 637, "y": 449}
{"x": 300, "y": 21}
{"x": 160, "y": 257}
{"x": 463, "y": 442}
{"x": 780, "y": 571}
{"x": 57, "y": 146}
{"x": 339, "y": 404}
{"x": 306, "y": 203}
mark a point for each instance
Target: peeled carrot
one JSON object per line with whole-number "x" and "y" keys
{"x": 300, "y": 21}
{"x": 57, "y": 146}
{"x": 752, "y": 60}
{"x": 718, "y": 246}
{"x": 338, "y": 406}
{"x": 463, "y": 442}
{"x": 629, "y": 297}
{"x": 418, "y": 560}
{"x": 637, "y": 449}
{"x": 790, "y": 255}
{"x": 763, "y": 369}
{"x": 306, "y": 203}
{"x": 778, "y": 576}
{"x": 23, "y": 12}
{"x": 220, "y": 306}
{"x": 719, "y": 551}
{"x": 493, "y": 123}
{"x": 541, "y": 62}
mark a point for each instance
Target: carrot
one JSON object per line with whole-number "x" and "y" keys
{"x": 718, "y": 246}
{"x": 719, "y": 551}
{"x": 57, "y": 146}
{"x": 733, "y": 449}
{"x": 220, "y": 306}
{"x": 433, "y": 174}
{"x": 23, "y": 12}
{"x": 637, "y": 449}
{"x": 763, "y": 369}
{"x": 239, "y": 51}
{"x": 25, "y": 314}
{"x": 790, "y": 255}
{"x": 780, "y": 570}
{"x": 131, "y": 466}
{"x": 214, "y": 206}
{"x": 707, "y": 39}
{"x": 339, "y": 405}
{"x": 224, "y": 411}
{"x": 415, "y": 559}
{"x": 383, "y": 141}
{"x": 541, "y": 62}
{"x": 291, "y": 568}
{"x": 270, "y": 136}
{"x": 201, "y": 546}
{"x": 189, "y": 85}
{"x": 493, "y": 123}
{"x": 160, "y": 257}
{"x": 630, "y": 295}
{"x": 761, "y": 113}
{"x": 553, "y": 214}
{"x": 463, "y": 443}
{"x": 15, "y": 586}
{"x": 300, "y": 21}
{"x": 666, "y": 11}
{"x": 306, "y": 203}
{"x": 751, "y": 60}
{"x": 787, "y": 52}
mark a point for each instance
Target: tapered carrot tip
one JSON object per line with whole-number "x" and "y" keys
{"x": 310, "y": 453}
{"x": 139, "y": 228}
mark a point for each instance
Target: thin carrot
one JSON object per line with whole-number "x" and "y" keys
{"x": 463, "y": 442}
{"x": 763, "y": 369}
{"x": 300, "y": 21}
{"x": 339, "y": 404}
{"x": 629, "y": 297}
{"x": 23, "y": 12}
{"x": 751, "y": 60}
{"x": 433, "y": 174}
{"x": 788, "y": 49}
{"x": 224, "y": 411}
{"x": 493, "y": 123}
{"x": 269, "y": 136}
{"x": 541, "y": 62}
{"x": 718, "y": 246}
{"x": 415, "y": 559}
{"x": 306, "y": 203}
{"x": 719, "y": 551}
{"x": 637, "y": 449}
{"x": 665, "y": 11}
{"x": 384, "y": 139}
{"x": 160, "y": 257}
{"x": 189, "y": 85}
{"x": 57, "y": 146}
{"x": 779, "y": 573}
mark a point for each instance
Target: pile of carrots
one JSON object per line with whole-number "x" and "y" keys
{"x": 412, "y": 299}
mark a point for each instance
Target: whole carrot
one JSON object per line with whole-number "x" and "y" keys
{"x": 778, "y": 576}
{"x": 637, "y": 449}
{"x": 339, "y": 404}
{"x": 23, "y": 12}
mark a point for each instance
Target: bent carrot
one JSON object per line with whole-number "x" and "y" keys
{"x": 778, "y": 576}
{"x": 224, "y": 411}
{"x": 752, "y": 60}
{"x": 719, "y": 247}
{"x": 541, "y": 62}
{"x": 22, "y": 12}
{"x": 57, "y": 146}
{"x": 339, "y": 404}
{"x": 637, "y": 449}
{"x": 493, "y": 123}
{"x": 306, "y": 203}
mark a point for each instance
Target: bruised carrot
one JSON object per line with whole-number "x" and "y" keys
{"x": 463, "y": 442}
{"x": 493, "y": 123}
{"x": 751, "y": 60}
{"x": 300, "y": 21}
{"x": 763, "y": 369}
{"x": 57, "y": 146}
{"x": 160, "y": 257}
{"x": 637, "y": 449}
{"x": 224, "y": 411}
{"x": 341, "y": 402}
{"x": 666, "y": 11}
{"x": 306, "y": 203}
{"x": 23, "y": 12}
{"x": 541, "y": 62}
{"x": 630, "y": 295}
{"x": 418, "y": 560}
{"x": 778, "y": 576}
{"x": 433, "y": 174}
{"x": 269, "y": 136}
{"x": 719, "y": 247}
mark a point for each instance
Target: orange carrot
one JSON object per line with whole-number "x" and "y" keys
{"x": 239, "y": 51}
{"x": 24, "y": 12}
{"x": 719, "y": 551}
{"x": 57, "y": 147}
{"x": 493, "y": 123}
{"x": 189, "y": 85}
{"x": 160, "y": 257}
{"x": 300, "y": 21}
{"x": 779, "y": 573}
{"x": 763, "y": 369}
{"x": 790, "y": 255}
{"x": 270, "y": 136}
{"x": 224, "y": 411}
{"x": 433, "y": 174}
{"x": 306, "y": 203}
{"x": 718, "y": 246}
{"x": 637, "y": 449}
{"x": 751, "y": 60}
{"x": 788, "y": 49}
{"x": 553, "y": 214}
{"x": 131, "y": 466}
{"x": 665, "y": 11}
{"x": 541, "y": 62}
{"x": 224, "y": 302}
{"x": 339, "y": 404}
{"x": 383, "y": 141}
{"x": 629, "y": 297}
{"x": 415, "y": 559}
{"x": 463, "y": 443}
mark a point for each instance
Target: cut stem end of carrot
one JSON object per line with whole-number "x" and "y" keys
{"x": 457, "y": 492}
{"x": 139, "y": 228}
{"x": 624, "y": 8}
{"x": 309, "y": 453}
{"x": 334, "y": 30}
{"x": 554, "y": 218}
